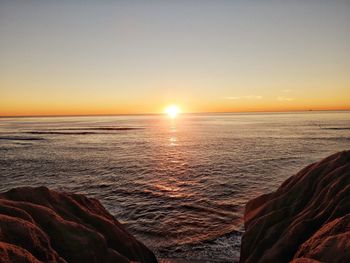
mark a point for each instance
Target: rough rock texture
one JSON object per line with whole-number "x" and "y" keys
{"x": 41, "y": 225}
{"x": 306, "y": 220}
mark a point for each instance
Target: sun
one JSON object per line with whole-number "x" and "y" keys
{"x": 172, "y": 111}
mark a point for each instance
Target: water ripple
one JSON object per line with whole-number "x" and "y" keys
{"x": 179, "y": 185}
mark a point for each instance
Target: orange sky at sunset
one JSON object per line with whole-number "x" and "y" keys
{"x": 63, "y": 58}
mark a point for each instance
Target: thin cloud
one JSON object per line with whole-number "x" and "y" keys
{"x": 249, "y": 97}
{"x": 286, "y": 90}
{"x": 285, "y": 99}
{"x": 254, "y": 97}
{"x": 232, "y": 98}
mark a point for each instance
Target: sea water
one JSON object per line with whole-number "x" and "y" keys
{"x": 179, "y": 185}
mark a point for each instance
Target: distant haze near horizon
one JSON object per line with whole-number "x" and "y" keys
{"x": 134, "y": 57}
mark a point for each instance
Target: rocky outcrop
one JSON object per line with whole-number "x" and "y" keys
{"x": 41, "y": 225}
{"x": 306, "y": 220}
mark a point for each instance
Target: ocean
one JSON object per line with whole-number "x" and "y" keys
{"x": 179, "y": 185}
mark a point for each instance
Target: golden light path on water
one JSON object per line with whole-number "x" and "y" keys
{"x": 173, "y": 186}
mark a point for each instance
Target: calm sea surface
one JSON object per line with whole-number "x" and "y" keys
{"x": 179, "y": 185}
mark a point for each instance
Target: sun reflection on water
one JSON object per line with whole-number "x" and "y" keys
{"x": 173, "y": 141}
{"x": 174, "y": 183}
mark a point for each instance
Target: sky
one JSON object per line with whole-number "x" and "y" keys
{"x": 133, "y": 57}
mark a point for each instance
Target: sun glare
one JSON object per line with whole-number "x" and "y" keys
{"x": 172, "y": 111}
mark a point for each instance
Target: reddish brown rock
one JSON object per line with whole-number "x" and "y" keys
{"x": 307, "y": 220}
{"x": 41, "y": 225}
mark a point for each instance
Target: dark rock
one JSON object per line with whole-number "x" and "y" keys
{"x": 41, "y": 225}
{"x": 306, "y": 220}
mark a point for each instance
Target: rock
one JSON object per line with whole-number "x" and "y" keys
{"x": 41, "y": 225}
{"x": 307, "y": 220}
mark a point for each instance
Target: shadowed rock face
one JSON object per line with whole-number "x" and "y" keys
{"x": 41, "y": 225}
{"x": 306, "y": 220}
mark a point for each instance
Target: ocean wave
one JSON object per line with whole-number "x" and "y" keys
{"x": 82, "y": 131}
{"x": 62, "y": 133}
{"x": 10, "y": 138}
{"x": 203, "y": 209}
{"x": 336, "y": 128}
{"x": 102, "y": 129}
{"x": 329, "y": 138}
{"x": 228, "y": 243}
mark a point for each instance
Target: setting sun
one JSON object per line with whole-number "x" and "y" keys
{"x": 172, "y": 111}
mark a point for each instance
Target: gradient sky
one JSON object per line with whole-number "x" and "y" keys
{"x": 110, "y": 57}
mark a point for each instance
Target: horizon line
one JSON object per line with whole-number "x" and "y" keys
{"x": 143, "y": 114}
